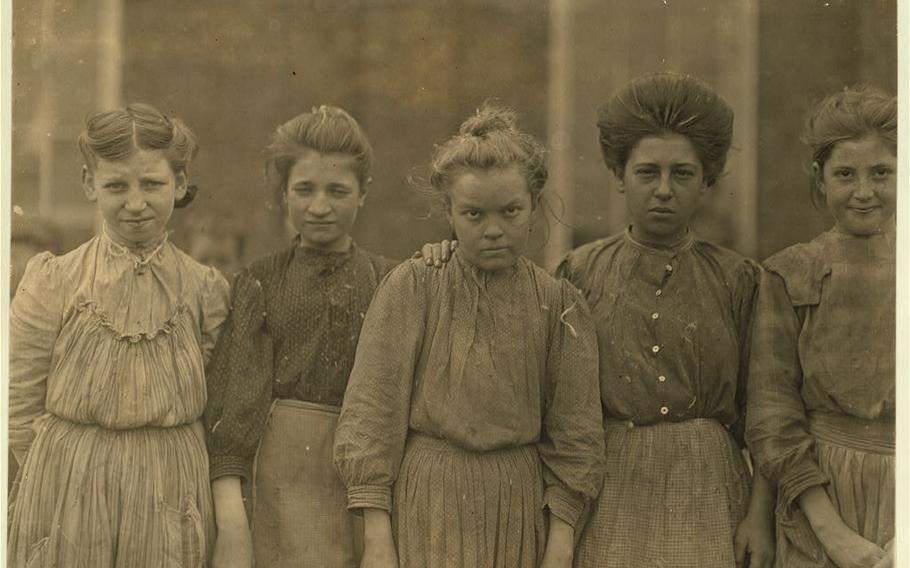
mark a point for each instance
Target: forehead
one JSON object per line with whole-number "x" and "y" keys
{"x": 670, "y": 148}
{"x": 871, "y": 149}
{"x": 489, "y": 188}
{"x": 140, "y": 162}
{"x": 327, "y": 168}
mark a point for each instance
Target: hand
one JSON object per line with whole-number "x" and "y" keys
{"x": 842, "y": 544}
{"x": 560, "y": 544}
{"x": 754, "y": 541}
{"x": 379, "y": 555}
{"x": 378, "y": 544}
{"x": 437, "y": 254}
{"x": 887, "y": 561}
{"x": 233, "y": 548}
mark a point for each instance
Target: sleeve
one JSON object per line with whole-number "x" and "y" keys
{"x": 36, "y": 313}
{"x": 371, "y": 432}
{"x": 776, "y": 423}
{"x": 215, "y": 308}
{"x": 745, "y": 296}
{"x": 572, "y": 441}
{"x": 239, "y": 382}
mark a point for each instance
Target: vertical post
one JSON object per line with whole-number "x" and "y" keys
{"x": 110, "y": 54}
{"x": 560, "y": 122}
{"x": 47, "y": 116}
{"x": 746, "y": 86}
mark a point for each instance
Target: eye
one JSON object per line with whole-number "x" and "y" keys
{"x": 512, "y": 211}
{"x": 843, "y": 173}
{"x": 472, "y": 214}
{"x": 684, "y": 174}
{"x": 882, "y": 172}
{"x": 339, "y": 191}
{"x": 302, "y": 189}
{"x": 646, "y": 172}
{"x": 114, "y": 186}
{"x": 152, "y": 184}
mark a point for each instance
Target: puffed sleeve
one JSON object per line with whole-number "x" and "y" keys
{"x": 572, "y": 440}
{"x": 744, "y": 286}
{"x": 215, "y": 308}
{"x": 777, "y": 427}
{"x": 371, "y": 432}
{"x": 239, "y": 382}
{"x": 36, "y": 313}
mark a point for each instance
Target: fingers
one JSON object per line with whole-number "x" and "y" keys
{"x": 740, "y": 552}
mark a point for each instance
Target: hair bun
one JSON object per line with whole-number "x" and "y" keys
{"x": 489, "y": 119}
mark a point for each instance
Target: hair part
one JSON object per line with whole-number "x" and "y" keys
{"x": 487, "y": 140}
{"x": 116, "y": 135}
{"x": 325, "y": 129}
{"x": 850, "y": 114}
{"x": 659, "y": 104}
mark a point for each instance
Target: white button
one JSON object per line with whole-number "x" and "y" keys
{"x": 664, "y": 410}
{"x": 655, "y": 315}
{"x": 669, "y": 268}
{"x": 655, "y": 349}
{"x": 661, "y": 378}
{"x": 658, "y": 293}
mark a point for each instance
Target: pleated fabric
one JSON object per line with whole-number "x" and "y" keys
{"x": 673, "y": 496}
{"x": 300, "y": 515}
{"x": 456, "y": 508}
{"x": 858, "y": 461}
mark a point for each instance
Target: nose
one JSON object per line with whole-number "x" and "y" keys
{"x": 135, "y": 201}
{"x": 864, "y": 190}
{"x": 663, "y": 191}
{"x": 320, "y": 205}
{"x": 492, "y": 231}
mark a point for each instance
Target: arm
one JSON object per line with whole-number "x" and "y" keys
{"x": 215, "y": 307}
{"x": 35, "y": 321}
{"x": 572, "y": 438}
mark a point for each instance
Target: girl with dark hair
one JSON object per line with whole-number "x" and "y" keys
{"x": 107, "y": 349}
{"x": 821, "y": 395}
{"x": 473, "y": 402}
{"x": 673, "y": 315}
{"x": 281, "y": 366}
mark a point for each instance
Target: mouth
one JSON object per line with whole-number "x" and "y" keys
{"x": 662, "y": 210}
{"x": 138, "y": 222}
{"x": 320, "y": 223}
{"x": 495, "y": 250}
{"x": 865, "y": 210}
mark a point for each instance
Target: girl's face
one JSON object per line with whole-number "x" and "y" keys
{"x": 323, "y": 197}
{"x": 135, "y": 195}
{"x": 859, "y": 181}
{"x": 663, "y": 182}
{"x": 490, "y": 212}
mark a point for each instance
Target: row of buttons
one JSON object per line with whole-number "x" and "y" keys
{"x": 656, "y": 349}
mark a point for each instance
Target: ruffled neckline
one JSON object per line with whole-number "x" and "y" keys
{"x": 140, "y": 254}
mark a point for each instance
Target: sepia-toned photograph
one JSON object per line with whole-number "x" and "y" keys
{"x": 451, "y": 283}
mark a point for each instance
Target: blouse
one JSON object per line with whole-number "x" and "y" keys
{"x": 296, "y": 317}
{"x": 482, "y": 360}
{"x": 824, "y": 342}
{"x": 672, "y": 325}
{"x": 100, "y": 336}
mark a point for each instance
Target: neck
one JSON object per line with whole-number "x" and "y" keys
{"x": 671, "y": 241}
{"x": 140, "y": 248}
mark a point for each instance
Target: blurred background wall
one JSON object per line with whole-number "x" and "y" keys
{"x": 411, "y": 71}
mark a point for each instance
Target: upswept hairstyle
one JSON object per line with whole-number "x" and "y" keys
{"x": 325, "y": 129}
{"x": 116, "y": 135}
{"x": 666, "y": 103}
{"x": 488, "y": 139}
{"x": 847, "y": 115}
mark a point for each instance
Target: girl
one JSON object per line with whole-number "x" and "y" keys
{"x": 673, "y": 315}
{"x": 107, "y": 349}
{"x": 821, "y": 400}
{"x": 282, "y": 364}
{"x": 473, "y": 399}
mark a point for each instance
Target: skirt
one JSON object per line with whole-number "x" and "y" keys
{"x": 858, "y": 457}
{"x": 88, "y": 496}
{"x": 300, "y": 515}
{"x": 455, "y": 508}
{"x": 673, "y": 495}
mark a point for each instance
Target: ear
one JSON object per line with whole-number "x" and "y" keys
{"x": 180, "y": 187}
{"x": 620, "y": 184}
{"x": 88, "y": 184}
{"x": 819, "y": 177}
{"x": 364, "y": 189}
{"x": 704, "y": 187}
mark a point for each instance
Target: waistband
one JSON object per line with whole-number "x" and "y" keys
{"x": 420, "y": 441}
{"x": 874, "y": 436}
{"x": 294, "y": 404}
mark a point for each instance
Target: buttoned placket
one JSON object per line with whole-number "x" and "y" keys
{"x": 655, "y": 317}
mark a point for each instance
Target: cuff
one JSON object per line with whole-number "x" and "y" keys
{"x": 797, "y": 479}
{"x": 370, "y": 497}
{"x": 563, "y": 504}
{"x": 222, "y": 466}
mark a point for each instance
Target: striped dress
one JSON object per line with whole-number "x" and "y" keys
{"x": 107, "y": 353}
{"x": 822, "y": 395}
{"x": 472, "y": 405}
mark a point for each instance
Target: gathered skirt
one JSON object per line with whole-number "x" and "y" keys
{"x": 93, "y": 497}
{"x": 858, "y": 457}
{"x": 673, "y": 496}
{"x": 455, "y": 508}
{"x": 299, "y": 501}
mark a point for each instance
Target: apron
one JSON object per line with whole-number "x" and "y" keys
{"x": 300, "y": 515}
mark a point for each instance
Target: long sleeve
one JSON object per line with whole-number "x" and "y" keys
{"x": 572, "y": 440}
{"x": 215, "y": 308}
{"x": 373, "y": 426}
{"x": 239, "y": 382}
{"x": 35, "y": 320}
{"x": 777, "y": 427}
{"x": 745, "y": 296}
